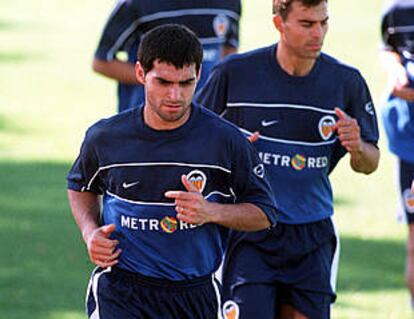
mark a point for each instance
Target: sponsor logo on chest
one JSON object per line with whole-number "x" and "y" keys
{"x": 167, "y": 224}
{"x": 297, "y": 162}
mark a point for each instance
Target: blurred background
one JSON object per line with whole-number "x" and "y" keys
{"x": 49, "y": 96}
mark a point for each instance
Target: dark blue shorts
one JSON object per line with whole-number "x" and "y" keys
{"x": 406, "y": 177}
{"x": 118, "y": 294}
{"x": 291, "y": 264}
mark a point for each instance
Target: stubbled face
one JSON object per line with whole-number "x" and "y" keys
{"x": 169, "y": 92}
{"x": 303, "y": 31}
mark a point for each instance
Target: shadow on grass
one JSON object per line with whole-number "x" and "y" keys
{"x": 373, "y": 264}
{"x": 44, "y": 267}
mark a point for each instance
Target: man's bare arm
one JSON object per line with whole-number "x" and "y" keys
{"x": 397, "y": 76}
{"x": 364, "y": 156}
{"x": 192, "y": 208}
{"x": 86, "y": 209}
{"x": 227, "y": 50}
{"x": 121, "y": 71}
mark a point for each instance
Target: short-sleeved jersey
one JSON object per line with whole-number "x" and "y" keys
{"x": 295, "y": 117}
{"x": 397, "y": 29}
{"x": 215, "y": 22}
{"x": 133, "y": 166}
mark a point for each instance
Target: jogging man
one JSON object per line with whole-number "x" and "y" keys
{"x": 397, "y": 27}
{"x": 173, "y": 176}
{"x": 309, "y": 110}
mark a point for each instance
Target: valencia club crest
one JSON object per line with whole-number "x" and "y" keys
{"x": 198, "y": 179}
{"x": 230, "y": 310}
{"x": 326, "y": 125}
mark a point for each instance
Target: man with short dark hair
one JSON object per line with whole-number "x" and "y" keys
{"x": 309, "y": 110}
{"x": 215, "y": 22}
{"x": 173, "y": 176}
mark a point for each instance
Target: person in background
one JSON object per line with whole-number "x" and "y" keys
{"x": 172, "y": 175}
{"x": 309, "y": 110}
{"x": 215, "y": 22}
{"x": 397, "y": 55}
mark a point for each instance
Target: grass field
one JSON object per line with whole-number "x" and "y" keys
{"x": 49, "y": 96}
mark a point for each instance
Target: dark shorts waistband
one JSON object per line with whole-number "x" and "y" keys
{"x": 146, "y": 281}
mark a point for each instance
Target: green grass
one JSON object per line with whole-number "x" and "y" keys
{"x": 44, "y": 266}
{"x": 49, "y": 96}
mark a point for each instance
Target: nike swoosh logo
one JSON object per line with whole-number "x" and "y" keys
{"x": 128, "y": 185}
{"x": 268, "y": 123}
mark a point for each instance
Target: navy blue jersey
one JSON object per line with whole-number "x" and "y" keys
{"x": 294, "y": 116}
{"x": 133, "y": 166}
{"x": 215, "y": 22}
{"x": 397, "y": 29}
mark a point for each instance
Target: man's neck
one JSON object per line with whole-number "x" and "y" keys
{"x": 154, "y": 121}
{"x": 292, "y": 64}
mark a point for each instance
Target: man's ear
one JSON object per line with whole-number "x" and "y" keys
{"x": 278, "y": 23}
{"x": 139, "y": 73}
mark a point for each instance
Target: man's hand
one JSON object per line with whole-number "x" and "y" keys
{"x": 102, "y": 250}
{"x": 404, "y": 93}
{"x": 397, "y": 75}
{"x": 191, "y": 206}
{"x": 254, "y": 137}
{"x": 401, "y": 88}
{"x": 349, "y": 132}
{"x": 364, "y": 155}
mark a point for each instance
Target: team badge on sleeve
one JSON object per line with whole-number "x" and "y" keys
{"x": 408, "y": 200}
{"x": 230, "y": 310}
{"x": 259, "y": 170}
{"x": 198, "y": 179}
{"x": 369, "y": 108}
{"x": 326, "y": 125}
